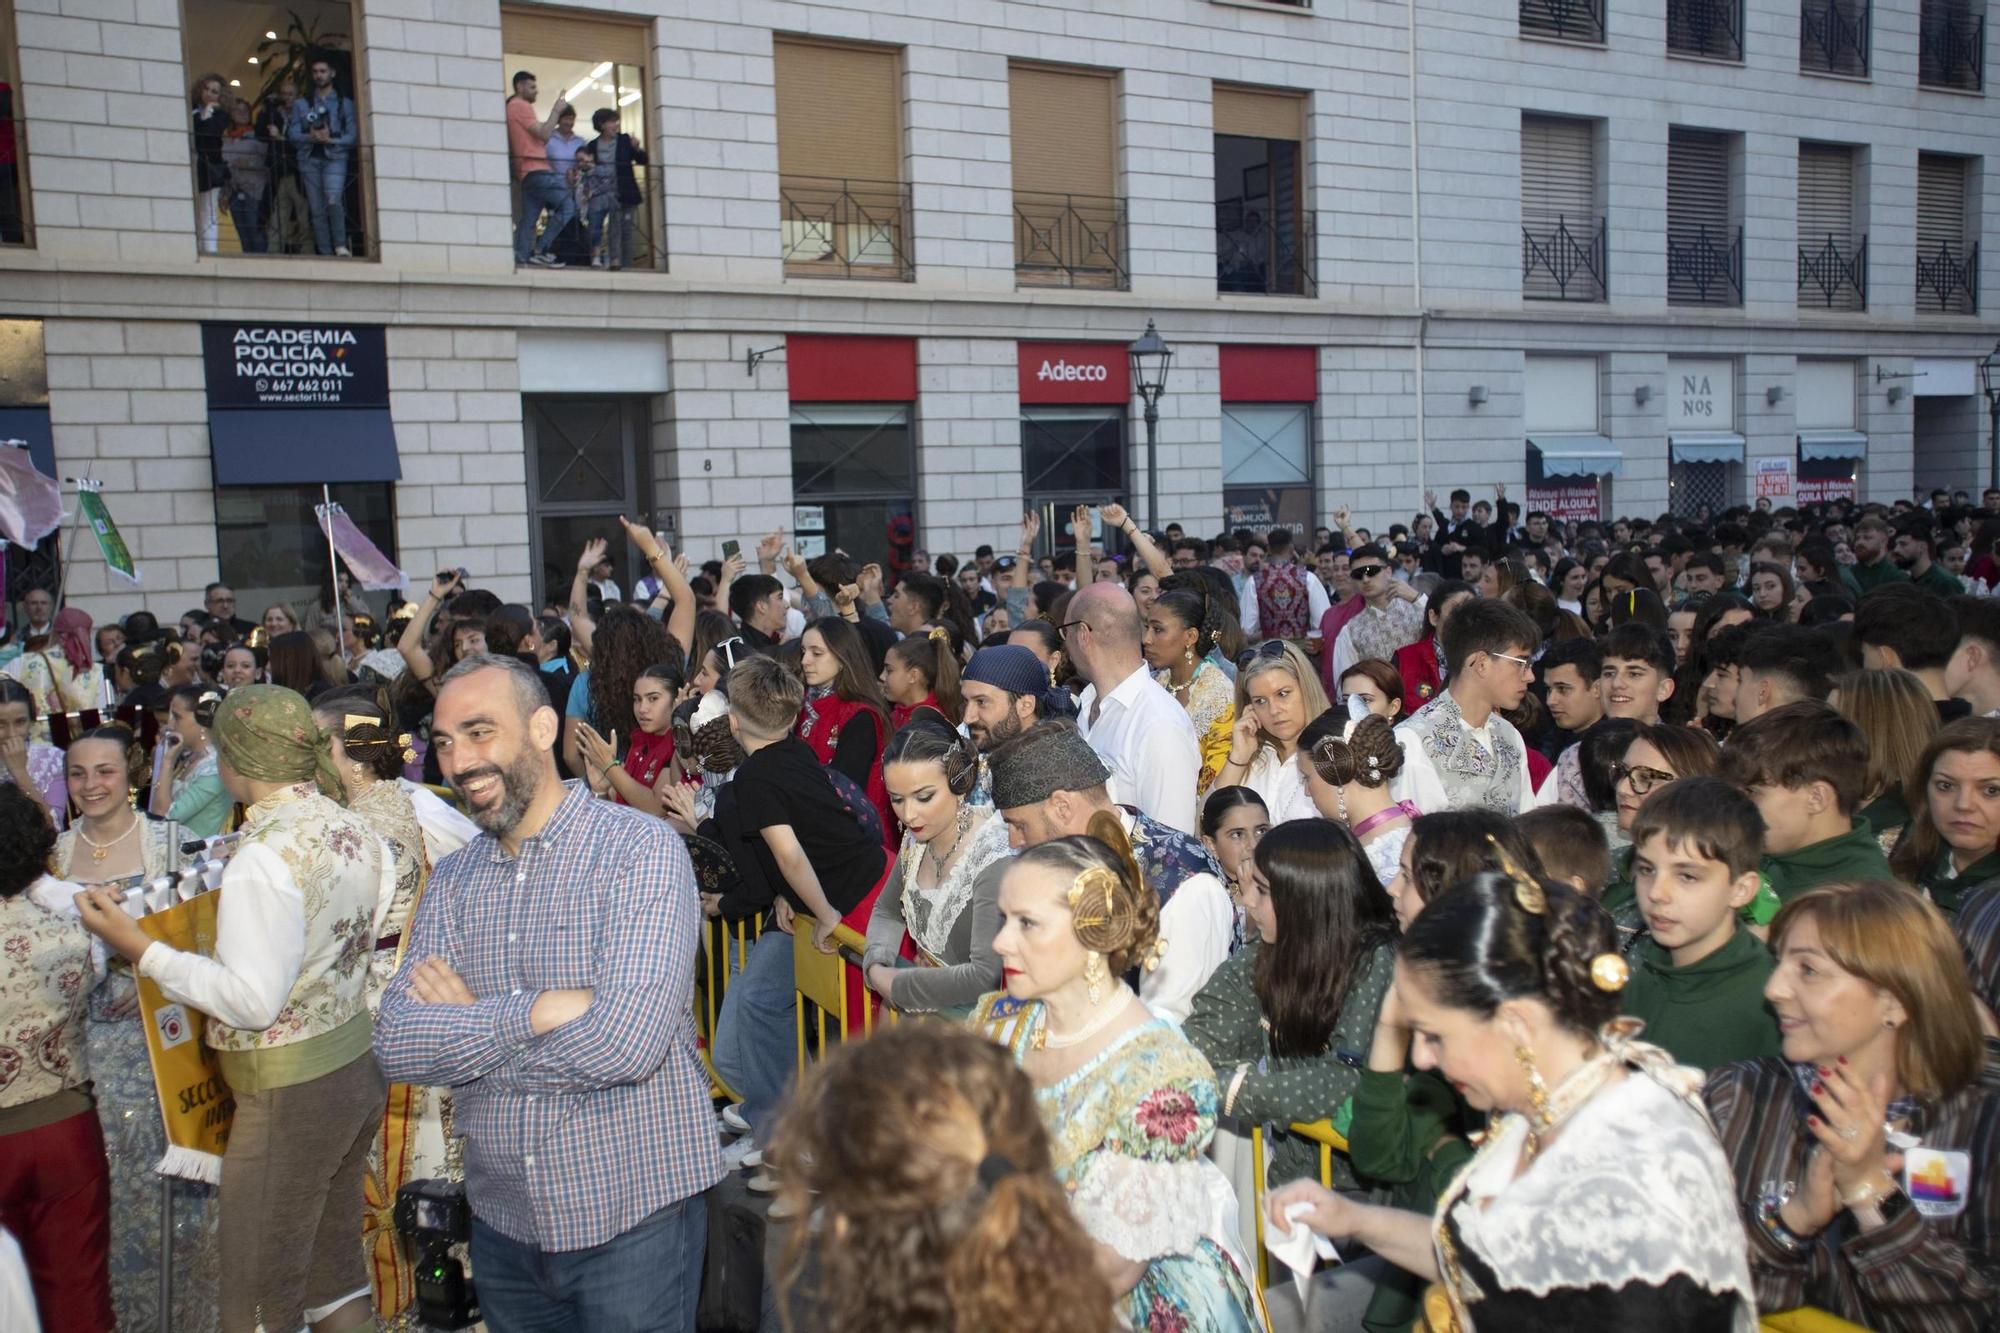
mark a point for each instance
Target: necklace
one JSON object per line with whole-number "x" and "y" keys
{"x": 1046, "y": 1040}
{"x": 938, "y": 862}
{"x": 100, "y": 850}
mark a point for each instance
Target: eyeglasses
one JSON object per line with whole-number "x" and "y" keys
{"x": 1268, "y": 648}
{"x": 1526, "y": 666}
{"x": 728, "y": 649}
{"x": 1641, "y": 778}
{"x": 1062, "y": 630}
{"x": 1365, "y": 571}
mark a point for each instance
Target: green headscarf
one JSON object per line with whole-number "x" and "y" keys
{"x": 267, "y": 733}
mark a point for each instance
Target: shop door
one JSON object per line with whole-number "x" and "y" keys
{"x": 587, "y": 464}
{"x": 1071, "y": 456}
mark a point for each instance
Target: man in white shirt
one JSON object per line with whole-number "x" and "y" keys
{"x": 1048, "y": 782}
{"x": 1143, "y": 736}
{"x": 1393, "y": 616}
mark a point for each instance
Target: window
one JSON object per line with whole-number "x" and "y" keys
{"x": 1267, "y": 465}
{"x": 1562, "y": 228}
{"x": 595, "y": 65}
{"x": 1947, "y": 264}
{"x": 1712, "y": 29}
{"x": 587, "y": 464}
{"x": 1833, "y": 37}
{"x": 1831, "y": 450}
{"x": 1833, "y": 258}
{"x": 854, "y": 471}
{"x": 1704, "y": 242}
{"x": 1069, "y": 224}
{"x": 276, "y": 126}
{"x": 1568, "y": 462}
{"x": 14, "y": 225}
{"x": 268, "y": 542}
{"x": 1563, "y": 20}
{"x": 1951, "y": 45}
{"x": 1263, "y": 234}
{"x": 840, "y": 161}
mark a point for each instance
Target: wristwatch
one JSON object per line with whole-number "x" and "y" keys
{"x": 1874, "y": 1207}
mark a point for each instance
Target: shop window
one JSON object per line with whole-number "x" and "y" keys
{"x": 14, "y": 224}
{"x": 595, "y": 65}
{"x": 854, "y": 481}
{"x": 1267, "y": 465}
{"x": 268, "y": 542}
{"x": 277, "y": 129}
{"x": 1079, "y": 450}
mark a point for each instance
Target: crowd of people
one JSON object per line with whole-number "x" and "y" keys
{"x": 1624, "y": 896}
{"x": 279, "y": 170}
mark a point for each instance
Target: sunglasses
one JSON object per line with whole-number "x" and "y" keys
{"x": 1365, "y": 571}
{"x": 1268, "y": 648}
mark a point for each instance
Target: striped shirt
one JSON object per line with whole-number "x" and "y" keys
{"x": 575, "y": 1136}
{"x": 1917, "y": 1274}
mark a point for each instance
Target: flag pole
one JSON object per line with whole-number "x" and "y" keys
{"x": 75, "y": 526}
{"x": 333, "y": 574}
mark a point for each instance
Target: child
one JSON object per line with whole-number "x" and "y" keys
{"x": 921, "y": 672}
{"x": 825, "y": 866}
{"x": 614, "y": 190}
{"x": 1698, "y": 975}
{"x": 1572, "y": 846}
{"x": 1638, "y": 672}
{"x": 631, "y": 780}
{"x": 1233, "y": 820}
{"x": 1458, "y": 752}
{"x": 1804, "y": 765}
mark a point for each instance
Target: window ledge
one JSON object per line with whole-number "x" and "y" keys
{"x": 1571, "y": 42}
{"x": 1950, "y": 91}
{"x": 1695, "y": 58}
{"x": 1836, "y": 75}
{"x": 1269, "y": 6}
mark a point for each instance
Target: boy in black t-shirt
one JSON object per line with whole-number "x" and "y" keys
{"x": 820, "y": 859}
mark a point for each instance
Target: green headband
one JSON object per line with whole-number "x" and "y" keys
{"x": 267, "y": 733}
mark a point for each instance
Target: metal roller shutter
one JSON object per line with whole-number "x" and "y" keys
{"x": 1699, "y": 228}
{"x": 1065, "y": 127}
{"x": 1260, "y": 113}
{"x": 838, "y": 111}
{"x": 564, "y": 35}
{"x": 1558, "y": 174}
{"x": 1940, "y": 204}
{"x": 1826, "y": 195}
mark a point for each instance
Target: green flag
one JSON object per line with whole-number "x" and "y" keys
{"x": 116, "y": 555}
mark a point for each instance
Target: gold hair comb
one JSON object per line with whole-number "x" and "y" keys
{"x": 1609, "y": 972}
{"x": 939, "y": 634}
{"x": 1089, "y": 882}
{"x": 1528, "y": 894}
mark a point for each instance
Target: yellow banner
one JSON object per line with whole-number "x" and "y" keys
{"x": 195, "y": 1101}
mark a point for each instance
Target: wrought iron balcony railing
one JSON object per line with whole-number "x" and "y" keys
{"x": 1070, "y": 240}
{"x": 1951, "y": 48}
{"x": 1563, "y": 20}
{"x": 1559, "y": 265}
{"x": 1833, "y": 36}
{"x": 1710, "y": 28}
{"x": 1253, "y": 255}
{"x": 1948, "y": 280}
{"x": 1833, "y": 273}
{"x": 1703, "y": 268}
{"x": 845, "y": 229}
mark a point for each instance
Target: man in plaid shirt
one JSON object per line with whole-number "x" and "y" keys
{"x": 548, "y": 983}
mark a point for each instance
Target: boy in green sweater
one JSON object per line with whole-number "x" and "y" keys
{"x": 1804, "y": 766}
{"x": 1698, "y": 974}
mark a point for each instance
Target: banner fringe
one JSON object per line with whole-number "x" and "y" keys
{"x": 190, "y": 1164}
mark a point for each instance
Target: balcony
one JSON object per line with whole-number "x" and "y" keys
{"x": 1948, "y": 281}
{"x": 595, "y": 229}
{"x": 1704, "y": 268}
{"x": 845, "y": 229}
{"x": 1711, "y": 29}
{"x": 269, "y": 198}
{"x": 1070, "y": 240}
{"x": 1560, "y": 265}
{"x": 1833, "y": 37}
{"x": 1563, "y": 20}
{"x": 1267, "y": 256}
{"x": 1833, "y": 274}
{"x": 1951, "y": 48}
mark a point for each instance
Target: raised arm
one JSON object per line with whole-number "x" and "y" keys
{"x": 1156, "y": 563}
{"x": 411, "y": 644}
{"x": 673, "y": 582}
{"x": 581, "y": 626}
{"x": 1079, "y": 530}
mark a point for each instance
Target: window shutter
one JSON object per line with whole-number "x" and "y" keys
{"x": 561, "y": 34}
{"x": 1698, "y": 183}
{"x": 1940, "y": 204}
{"x": 838, "y": 111}
{"x": 1064, "y": 125}
{"x": 1259, "y": 113}
{"x": 1558, "y": 175}
{"x": 1826, "y": 196}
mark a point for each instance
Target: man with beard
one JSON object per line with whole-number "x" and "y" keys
{"x": 549, "y": 982}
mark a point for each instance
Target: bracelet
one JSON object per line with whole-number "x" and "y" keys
{"x": 1773, "y": 1223}
{"x": 605, "y": 772}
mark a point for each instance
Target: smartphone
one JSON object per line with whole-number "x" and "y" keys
{"x": 731, "y": 549}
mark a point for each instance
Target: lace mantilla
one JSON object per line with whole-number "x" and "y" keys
{"x": 1148, "y": 1210}
{"x": 930, "y": 914}
{"x": 1635, "y": 1189}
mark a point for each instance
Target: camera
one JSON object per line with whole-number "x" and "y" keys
{"x": 315, "y": 117}
{"x": 433, "y": 1215}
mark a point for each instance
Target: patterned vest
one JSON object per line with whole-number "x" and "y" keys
{"x": 1473, "y": 778}
{"x": 1282, "y": 604}
{"x": 1167, "y": 857}
{"x": 48, "y": 994}
{"x": 337, "y": 862}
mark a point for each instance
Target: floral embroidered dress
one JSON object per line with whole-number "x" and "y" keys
{"x": 57, "y": 687}
{"x": 128, "y": 1108}
{"x": 1210, "y": 699}
{"x": 1130, "y": 1133}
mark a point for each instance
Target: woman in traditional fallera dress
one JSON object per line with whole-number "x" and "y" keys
{"x": 1129, "y": 1103}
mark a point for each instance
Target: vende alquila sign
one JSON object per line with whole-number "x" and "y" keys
{"x": 1075, "y": 373}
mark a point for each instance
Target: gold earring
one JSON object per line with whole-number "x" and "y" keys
{"x": 1189, "y": 654}
{"x": 1094, "y": 973}
{"x": 1538, "y": 1091}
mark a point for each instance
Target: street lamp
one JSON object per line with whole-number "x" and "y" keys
{"x": 1150, "y": 359}
{"x": 1989, "y": 380}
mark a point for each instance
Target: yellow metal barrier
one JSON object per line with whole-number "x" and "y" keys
{"x": 1330, "y": 1141}
{"x": 821, "y": 980}
{"x": 723, "y": 944}
{"x": 1805, "y": 1319}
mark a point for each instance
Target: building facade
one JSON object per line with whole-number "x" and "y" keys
{"x": 1617, "y": 256}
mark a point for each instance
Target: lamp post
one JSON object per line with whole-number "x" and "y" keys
{"x": 1150, "y": 359}
{"x": 1989, "y": 380}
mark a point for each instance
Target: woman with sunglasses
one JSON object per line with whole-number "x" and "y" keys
{"x": 1657, "y": 755}
{"x": 1277, "y": 695}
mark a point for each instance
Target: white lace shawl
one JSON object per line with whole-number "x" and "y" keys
{"x": 931, "y": 913}
{"x": 1148, "y": 1210}
{"x": 1634, "y": 1189}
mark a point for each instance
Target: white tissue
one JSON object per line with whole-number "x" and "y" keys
{"x": 1298, "y": 1246}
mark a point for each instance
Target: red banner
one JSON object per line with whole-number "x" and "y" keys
{"x": 1269, "y": 374}
{"x": 1075, "y": 373}
{"x": 823, "y": 368}
{"x": 1575, "y": 503}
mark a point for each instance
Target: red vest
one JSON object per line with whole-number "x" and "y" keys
{"x": 830, "y": 715}
{"x": 1283, "y": 607}
{"x": 1417, "y": 664}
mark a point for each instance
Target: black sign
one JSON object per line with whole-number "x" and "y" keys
{"x": 295, "y": 365}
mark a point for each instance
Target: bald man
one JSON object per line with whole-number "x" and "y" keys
{"x": 1143, "y": 735}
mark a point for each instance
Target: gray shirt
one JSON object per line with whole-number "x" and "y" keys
{"x": 971, "y": 967}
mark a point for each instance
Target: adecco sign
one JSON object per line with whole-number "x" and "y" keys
{"x": 1075, "y": 373}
